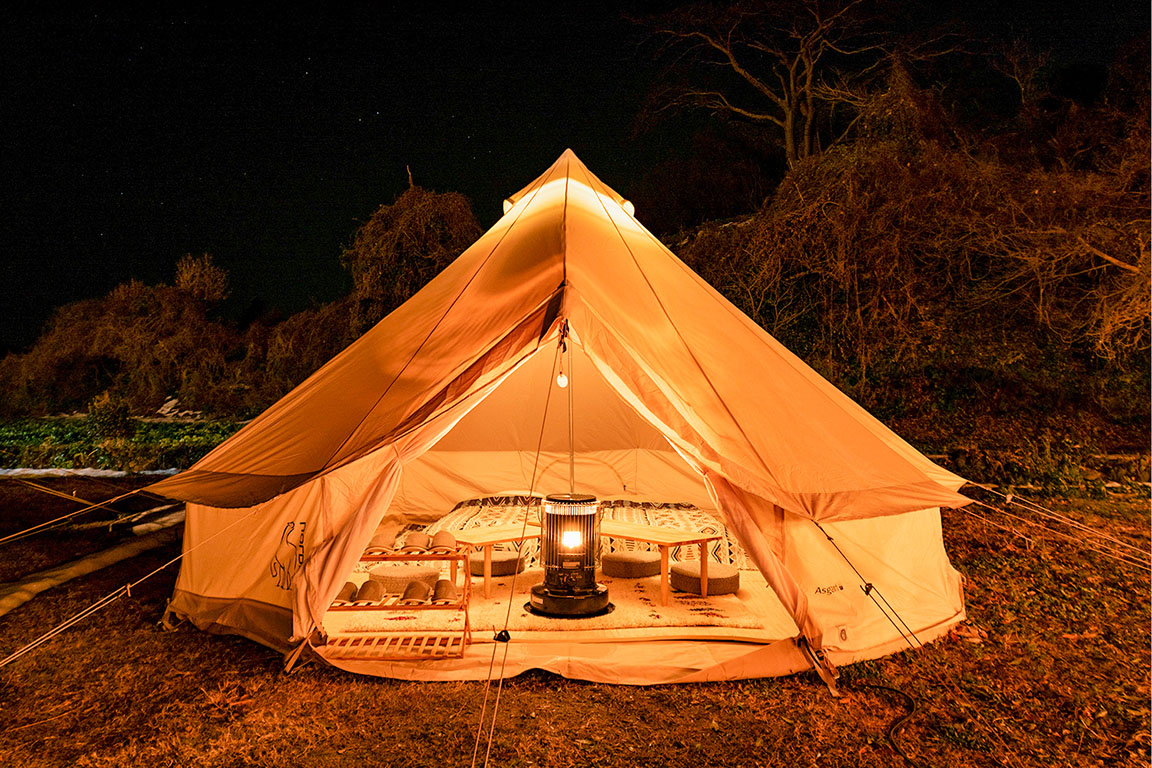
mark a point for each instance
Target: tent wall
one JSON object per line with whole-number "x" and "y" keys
{"x": 239, "y": 564}
{"x": 901, "y": 556}
{"x": 493, "y": 449}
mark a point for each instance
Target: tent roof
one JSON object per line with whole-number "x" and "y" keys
{"x": 569, "y": 254}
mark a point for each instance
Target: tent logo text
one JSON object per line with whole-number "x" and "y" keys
{"x": 289, "y": 555}
{"x": 830, "y": 590}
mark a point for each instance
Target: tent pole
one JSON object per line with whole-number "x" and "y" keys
{"x": 571, "y": 431}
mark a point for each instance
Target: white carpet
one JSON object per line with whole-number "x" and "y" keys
{"x": 636, "y": 607}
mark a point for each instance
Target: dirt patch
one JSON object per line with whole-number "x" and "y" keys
{"x": 1052, "y": 669}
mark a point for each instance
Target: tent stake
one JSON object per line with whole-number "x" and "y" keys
{"x": 820, "y": 665}
{"x": 294, "y": 656}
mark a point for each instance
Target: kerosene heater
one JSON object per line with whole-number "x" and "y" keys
{"x": 569, "y": 543}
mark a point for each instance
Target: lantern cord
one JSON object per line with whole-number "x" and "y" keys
{"x": 502, "y": 635}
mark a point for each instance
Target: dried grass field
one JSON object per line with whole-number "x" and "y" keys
{"x": 1052, "y": 669}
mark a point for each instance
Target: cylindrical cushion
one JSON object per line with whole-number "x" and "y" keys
{"x": 370, "y": 592}
{"x": 445, "y": 592}
{"x": 415, "y": 593}
{"x": 347, "y": 591}
{"x": 504, "y": 563}
{"x": 443, "y": 540}
{"x": 416, "y": 541}
{"x": 723, "y": 579}
{"x": 635, "y": 564}
{"x": 383, "y": 541}
{"x": 395, "y": 576}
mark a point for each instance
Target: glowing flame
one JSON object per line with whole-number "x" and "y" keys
{"x": 571, "y": 540}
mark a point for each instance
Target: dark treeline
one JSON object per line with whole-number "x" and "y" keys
{"x": 143, "y": 344}
{"x": 928, "y": 227}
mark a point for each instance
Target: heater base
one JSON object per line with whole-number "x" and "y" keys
{"x": 579, "y": 605}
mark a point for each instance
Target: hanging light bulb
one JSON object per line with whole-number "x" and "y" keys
{"x": 561, "y": 379}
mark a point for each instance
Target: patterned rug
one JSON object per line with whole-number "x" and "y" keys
{"x": 636, "y": 605}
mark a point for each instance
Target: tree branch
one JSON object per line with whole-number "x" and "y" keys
{"x": 733, "y": 63}
{"x": 717, "y": 100}
{"x": 1106, "y": 257}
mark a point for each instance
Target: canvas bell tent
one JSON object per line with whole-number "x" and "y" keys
{"x": 676, "y": 400}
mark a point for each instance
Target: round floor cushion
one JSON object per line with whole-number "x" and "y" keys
{"x": 627, "y": 564}
{"x": 722, "y": 579}
{"x": 504, "y": 563}
{"x": 394, "y": 577}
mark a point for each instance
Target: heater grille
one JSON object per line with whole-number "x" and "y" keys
{"x": 570, "y": 541}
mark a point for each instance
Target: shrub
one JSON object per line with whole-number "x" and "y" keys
{"x": 139, "y": 344}
{"x": 907, "y": 265}
{"x": 403, "y": 246}
{"x": 110, "y": 417}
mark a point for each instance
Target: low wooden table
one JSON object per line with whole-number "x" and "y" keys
{"x": 665, "y": 538}
{"x": 496, "y": 534}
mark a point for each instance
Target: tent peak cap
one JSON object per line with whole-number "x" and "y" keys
{"x": 569, "y": 166}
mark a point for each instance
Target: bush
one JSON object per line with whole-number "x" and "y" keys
{"x": 403, "y": 246}
{"x": 280, "y": 357}
{"x": 139, "y": 345}
{"x": 110, "y": 418}
{"x": 200, "y": 278}
{"x": 916, "y": 273}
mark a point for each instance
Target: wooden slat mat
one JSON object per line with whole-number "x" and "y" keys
{"x": 396, "y": 646}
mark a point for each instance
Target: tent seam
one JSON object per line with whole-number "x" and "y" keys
{"x": 564, "y": 226}
{"x": 680, "y": 336}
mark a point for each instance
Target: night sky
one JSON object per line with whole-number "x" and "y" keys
{"x": 132, "y": 134}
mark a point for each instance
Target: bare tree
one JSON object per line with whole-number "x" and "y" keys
{"x": 1024, "y": 66}
{"x": 770, "y": 63}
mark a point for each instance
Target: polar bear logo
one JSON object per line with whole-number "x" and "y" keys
{"x": 289, "y": 555}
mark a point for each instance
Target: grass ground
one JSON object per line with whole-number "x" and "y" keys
{"x": 1052, "y": 669}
